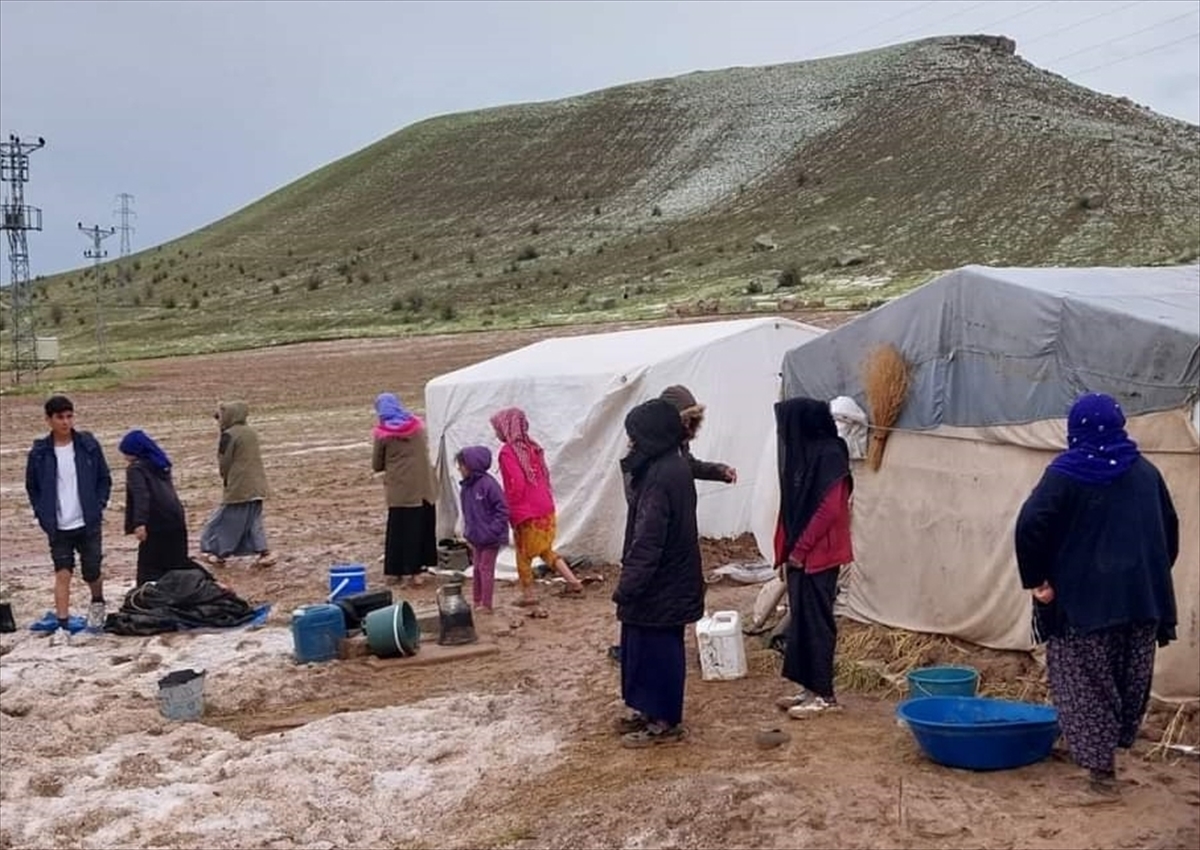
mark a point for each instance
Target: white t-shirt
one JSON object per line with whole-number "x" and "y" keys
{"x": 70, "y": 509}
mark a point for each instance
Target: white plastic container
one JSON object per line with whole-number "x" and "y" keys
{"x": 722, "y": 650}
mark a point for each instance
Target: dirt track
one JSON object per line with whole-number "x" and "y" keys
{"x": 532, "y": 720}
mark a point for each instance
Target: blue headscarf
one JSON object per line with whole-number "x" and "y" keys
{"x": 391, "y": 412}
{"x": 1098, "y": 449}
{"x": 138, "y": 444}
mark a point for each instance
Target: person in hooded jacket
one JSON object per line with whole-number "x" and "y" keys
{"x": 661, "y": 586}
{"x": 1095, "y": 542}
{"x": 485, "y": 521}
{"x": 153, "y": 512}
{"x": 236, "y": 526}
{"x": 812, "y": 543}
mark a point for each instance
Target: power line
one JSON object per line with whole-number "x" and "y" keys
{"x": 1078, "y": 24}
{"x": 818, "y": 51}
{"x": 957, "y": 14}
{"x": 1121, "y": 37}
{"x": 1020, "y": 14}
{"x": 1187, "y": 37}
{"x": 125, "y": 212}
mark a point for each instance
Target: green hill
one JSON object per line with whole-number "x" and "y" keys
{"x": 846, "y": 179}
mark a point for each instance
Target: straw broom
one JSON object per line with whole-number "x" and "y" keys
{"x": 885, "y": 381}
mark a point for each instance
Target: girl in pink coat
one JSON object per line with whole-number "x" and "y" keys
{"x": 530, "y": 503}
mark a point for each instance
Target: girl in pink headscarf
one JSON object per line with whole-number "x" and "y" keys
{"x": 530, "y": 503}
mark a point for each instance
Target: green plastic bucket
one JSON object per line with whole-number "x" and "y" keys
{"x": 393, "y": 631}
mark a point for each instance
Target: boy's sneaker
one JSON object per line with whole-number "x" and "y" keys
{"x": 814, "y": 706}
{"x": 95, "y": 617}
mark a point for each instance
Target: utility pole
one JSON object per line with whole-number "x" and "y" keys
{"x": 125, "y": 212}
{"x": 95, "y": 254}
{"x": 15, "y": 220}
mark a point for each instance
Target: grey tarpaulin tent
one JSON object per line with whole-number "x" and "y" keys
{"x": 998, "y": 356}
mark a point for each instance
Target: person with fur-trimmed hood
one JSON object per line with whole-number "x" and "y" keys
{"x": 691, "y": 414}
{"x": 236, "y": 526}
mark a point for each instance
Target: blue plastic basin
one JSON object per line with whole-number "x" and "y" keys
{"x": 943, "y": 681}
{"x": 978, "y": 733}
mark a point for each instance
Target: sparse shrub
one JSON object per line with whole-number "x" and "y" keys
{"x": 183, "y": 278}
{"x": 241, "y": 269}
{"x": 416, "y": 255}
{"x": 397, "y": 304}
{"x": 194, "y": 303}
{"x": 365, "y": 277}
{"x": 169, "y": 302}
{"x": 640, "y": 289}
{"x": 343, "y": 268}
{"x": 527, "y": 253}
{"x": 204, "y": 294}
{"x": 137, "y": 301}
{"x": 470, "y": 257}
{"x": 170, "y": 262}
{"x": 596, "y": 210}
{"x": 608, "y": 304}
{"x": 790, "y": 278}
{"x": 656, "y": 212}
{"x": 535, "y": 228}
{"x": 599, "y": 249}
{"x": 478, "y": 274}
{"x": 478, "y": 232}
{"x": 290, "y": 252}
{"x": 583, "y": 299}
{"x": 753, "y": 287}
{"x": 71, "y": 283}
{"x": 587, "y": 196}
{"x": 448, "y": 312}
{"x": 554, "y": 199}
{"x": 416, "y": 301}
{"x": 137, "y": 265}
{"x": 56, "y": 314}
{"x": 313, "y": 283}
{"x": 570, "y": 250}
{"x": 275, "y": 290}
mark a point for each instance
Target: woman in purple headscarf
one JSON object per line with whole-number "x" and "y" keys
{"x": 1096, "y": 541}
{"x": 401, "y": 453}
{"x": 153, "y": 512}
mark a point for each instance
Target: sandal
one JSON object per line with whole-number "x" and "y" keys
{"x": 652, "y": 734}
{"x": 570, "y": 592}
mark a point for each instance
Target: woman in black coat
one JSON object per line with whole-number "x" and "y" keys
{"x": 1095, "y": 544}
{"x": 153, "y": 512}
{"x": 661, "y": 588}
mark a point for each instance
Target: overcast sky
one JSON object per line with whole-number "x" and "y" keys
{"x": 199, "y": 108}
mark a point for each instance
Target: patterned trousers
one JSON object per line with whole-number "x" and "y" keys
{"x": 1100, "y": 684}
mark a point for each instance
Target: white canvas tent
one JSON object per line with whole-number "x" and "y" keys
{"x": 998, "y": 356}
{"x": 576, "y": 391}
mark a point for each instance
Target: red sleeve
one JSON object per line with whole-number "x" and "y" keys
{"x": 780, "y": 555}
{"x": 831, "y": 509}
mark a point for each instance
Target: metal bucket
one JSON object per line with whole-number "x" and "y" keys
{"x": 181, "y": 695}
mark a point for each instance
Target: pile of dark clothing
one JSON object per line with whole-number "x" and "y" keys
{"x": 187, "y": 597}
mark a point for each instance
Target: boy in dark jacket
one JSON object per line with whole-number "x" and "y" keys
{"x": 661, "y": 588}
{"x": 485, "y": 520}
{"x": 68, "y": 483}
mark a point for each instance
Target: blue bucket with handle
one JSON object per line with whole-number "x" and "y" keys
{"x": 346, "y": 580}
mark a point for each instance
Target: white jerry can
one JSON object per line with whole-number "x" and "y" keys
{"x": 722, "y": 650}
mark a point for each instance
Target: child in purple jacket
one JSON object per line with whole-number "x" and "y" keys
{"x": 485, "y": 520}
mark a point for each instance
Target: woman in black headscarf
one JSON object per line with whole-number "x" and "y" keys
{"x": 812, "y": 543}
{"x": 661, "y": 588}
